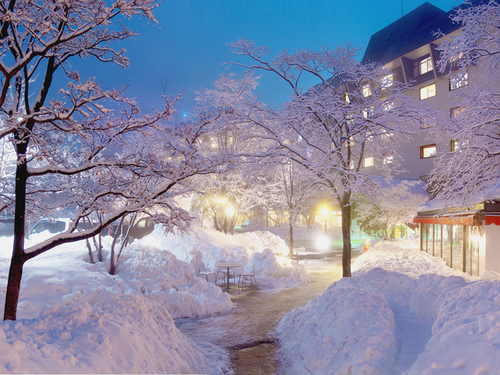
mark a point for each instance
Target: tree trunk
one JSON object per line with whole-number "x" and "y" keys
{"x": 291, "y": 239}
{"x": 18, "y": 259}
{"x": 346, "y": 238}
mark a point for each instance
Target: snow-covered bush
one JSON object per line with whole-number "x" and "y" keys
{"x": 126, "y": 334}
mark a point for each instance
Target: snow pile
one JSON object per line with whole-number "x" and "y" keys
{"x": 326, "y": 337}
{"x": 466, "y": 334}
{"x": 402, "y": 256}
{"x": 62, "y": 277}
{"x": 73, "y": 316}
{"x": 403, "y": 311}
{"x": 273, "y": 269}
{"x": 160, "y": 276}
{"x": 127, "y": 334}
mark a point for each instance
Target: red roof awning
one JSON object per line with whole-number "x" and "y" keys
{"x": 459, "y": 220}
{"x": 488, "y": 220}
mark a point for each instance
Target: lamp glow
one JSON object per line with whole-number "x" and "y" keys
{"x": 322, "y": 242}
{"x": 229, "y": 210}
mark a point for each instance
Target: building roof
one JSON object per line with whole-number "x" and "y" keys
{"x": 408, "y": 33}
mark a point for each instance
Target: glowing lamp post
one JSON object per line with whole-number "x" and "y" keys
{"x": 324, "y": 212}
{"x": 322, "y": 243}
{"x": 229, "y": 212}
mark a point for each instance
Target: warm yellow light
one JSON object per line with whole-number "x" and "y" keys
{"x": 324, "y": 211}
{"x": 322, "y": 242}
{"x": 474, "y": 238}
{"x": 229, "y": 210}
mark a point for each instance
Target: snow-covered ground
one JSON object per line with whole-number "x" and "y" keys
{"x": 74, "y": 316}
{"x": 403, "y": 311}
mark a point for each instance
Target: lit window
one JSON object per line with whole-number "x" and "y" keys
{"x": 346, "y": 98}
{"x": 459, "y": 80}
{"x": 427, "y": 151}
{"x": 427, "y": 91}
{"x": 427, "y": 123}
{"x": 368, "y": 162}
{"x": 388, "y": 81}
{"x": 367, "y": 91}
{"x": 351, "y": 164}
{"x": 456, "y": 145}
{"x": 388, "y": 159}
{"x": 422, "y": 66}
{"x": 456, "y": 112}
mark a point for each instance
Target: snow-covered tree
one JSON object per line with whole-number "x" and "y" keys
{"x": 355, "y": 111}
{"x": 287, "y": 189}
{"x": 227, "y": 195}
{"x": 81, "y": 148}
{"x": 464, "y": 175}
{"x": 392, "y": 205}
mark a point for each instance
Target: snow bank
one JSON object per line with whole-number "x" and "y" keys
{"x": 276, "y": 271}
{"x": 73, "y": 316}
{"x": 403, "y": 311}
{"x": 260, "y": 248}
{"x": 345, "y": 331}
{"x": 127, "y": 334}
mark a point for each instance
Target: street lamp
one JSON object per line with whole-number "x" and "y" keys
{"x": 322, "y": 243}
{"x": 324, "y": 212}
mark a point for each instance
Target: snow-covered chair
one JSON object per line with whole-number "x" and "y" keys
{"x": 249, "y": 276}
{"x": 202, "y": 271}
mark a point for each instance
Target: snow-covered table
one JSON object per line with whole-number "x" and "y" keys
{"x": 228, "y": 266}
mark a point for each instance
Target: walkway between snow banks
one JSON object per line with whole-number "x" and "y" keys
{"x": 248, "y": 331}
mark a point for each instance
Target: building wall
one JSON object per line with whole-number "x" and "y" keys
{"x": 489, "y": 253}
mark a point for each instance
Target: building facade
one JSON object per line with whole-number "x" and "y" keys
{"x": 466, "y": 241}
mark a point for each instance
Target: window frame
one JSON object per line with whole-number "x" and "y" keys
{"x": 456, "y": 112}
{"x": 426, "y": 147}
{"x": 418, "y": 66}
{"x": 420, "y": 90}
{"x": 366, "y": 91}
{"x": 368, "y": 158}
{"x": 458, "y": 81}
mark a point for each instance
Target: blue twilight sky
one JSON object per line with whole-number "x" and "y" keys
{"x": 189, "y": 43}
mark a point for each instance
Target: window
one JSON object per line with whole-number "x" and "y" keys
{"x": 456, "y": 145}
{"x": 427, "y": 123}
{"x": 456, "y": 112}
{"x": 367, "y": 91}
{"x": 423, "y": 66}
{"x": 427, "y": 151}
{"x": 346, "y": 98}
{"x": 458, "y": 81}
{"x": 388, "y": 81}
{"x": 388, "y": 159}
{"x": 368, "y": 162}
{"x": 427, "y": 91}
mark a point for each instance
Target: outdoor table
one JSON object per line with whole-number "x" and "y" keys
{"x": 228, "y": 266}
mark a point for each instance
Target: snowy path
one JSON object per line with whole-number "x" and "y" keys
{"x": 256, "y": 318}
{"x": 412, "y": 335}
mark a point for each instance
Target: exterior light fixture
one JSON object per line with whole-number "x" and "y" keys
{"x": 322, "y": 242}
